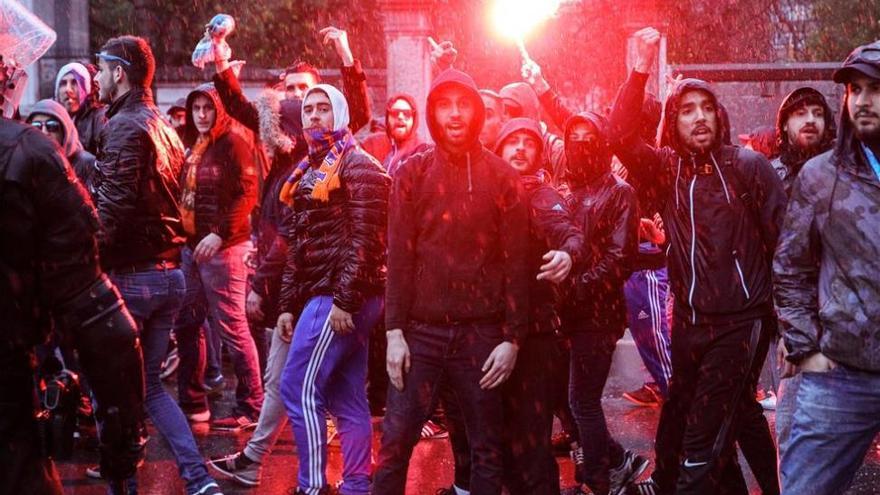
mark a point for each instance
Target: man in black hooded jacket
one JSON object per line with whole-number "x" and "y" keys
{"x": 457, "y": 293}
{"x": 722, "y": 207}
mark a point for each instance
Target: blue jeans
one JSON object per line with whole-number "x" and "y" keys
{"x": 835, "y": 421}
{"x": 216, "y": 289}
{"x": 153, "y": 298}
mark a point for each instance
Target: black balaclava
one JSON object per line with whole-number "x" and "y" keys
{"x": 587, "y": 161}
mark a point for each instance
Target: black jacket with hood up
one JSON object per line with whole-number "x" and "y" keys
{"x": 606, "y": 210}
{"x": 458, "y": 234}
{"x": 226, "y": 175}
{"x": 551, "y": 227}
{"x": 720, "y": 246}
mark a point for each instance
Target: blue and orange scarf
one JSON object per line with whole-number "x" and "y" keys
{"x": 334, "y": 146}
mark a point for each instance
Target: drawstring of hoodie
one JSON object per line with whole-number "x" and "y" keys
{"x": 470, "y": 179}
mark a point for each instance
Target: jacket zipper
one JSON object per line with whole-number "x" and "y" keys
{"x": 693, "y": 254}
{"x": 742, "y": 279}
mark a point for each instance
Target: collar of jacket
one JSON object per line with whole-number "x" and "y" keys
{"x": 596, "y": 183}
{"x": 460, "y": 159}
{"x": 136, "y": 96}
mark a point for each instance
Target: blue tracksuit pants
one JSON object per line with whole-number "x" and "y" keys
{"x": 327, "y": 372}
{"x": 646, "y": 293}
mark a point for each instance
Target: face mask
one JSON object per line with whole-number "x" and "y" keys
{"x": 586, "y": 161}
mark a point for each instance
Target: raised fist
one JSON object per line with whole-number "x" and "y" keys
{"x": 647, "y": 45}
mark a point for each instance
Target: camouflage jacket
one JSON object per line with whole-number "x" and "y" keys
{"x": 827, "y": 288}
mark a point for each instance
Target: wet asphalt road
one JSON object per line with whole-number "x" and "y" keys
{"x": 431, "y": 467}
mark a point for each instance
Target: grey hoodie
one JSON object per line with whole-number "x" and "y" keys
{"x": 82, "y": 161}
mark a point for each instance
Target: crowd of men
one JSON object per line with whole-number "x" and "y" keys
{"x": 479, "y": 284}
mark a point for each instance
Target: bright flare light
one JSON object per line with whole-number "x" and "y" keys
{"x": 515, "y": 18}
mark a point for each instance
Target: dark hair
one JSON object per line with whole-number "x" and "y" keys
{"x": 137, "y": 51}
{"x": 302, "y": 66}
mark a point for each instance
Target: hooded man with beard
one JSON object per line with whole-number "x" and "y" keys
{"x": 722, "y": 207}
{"x": 827, "y": 293}
{"x": 519, "y": 100}
{"x": 51, "y": 118}
{"x": 804, "y": 128}
{"x": 75, "y": 90}
{"x": 457, "y": 287}
{"x": 334, "y": 281}
{"x": 606, "y": 210}
{"x": 401, "y": 126}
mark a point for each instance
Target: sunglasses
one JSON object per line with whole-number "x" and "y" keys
{"x": 113, "y": 58}
{"x": 49, "y": 125}
{"x": 407, "y": 114}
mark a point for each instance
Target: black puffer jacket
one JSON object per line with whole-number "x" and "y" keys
{"x": 226, "y": 176}
{"x": 337, "y": 247}
{"x": 136, "y": 189}
{"x": 720, "y": 247}
{"x": 458, "y": 237}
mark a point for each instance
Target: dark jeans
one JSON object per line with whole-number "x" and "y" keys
{"x": 591, "y": 353}
{"x": 711, "y": 403}
{"x": 446, "y": 362}
{"x": 216, "y": 289}
{"x": 529, "y": 464}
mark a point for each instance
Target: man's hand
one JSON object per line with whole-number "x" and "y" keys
{"x": 222, "y": 53}
{"x": 254, "y": 306}
{"x": 499, "y": 365}
{"x": 340, "y": 42}
{"x": 340, "y": 320}
{"x": 557, "y": 267}
{"x": 443, "y": 54}
{"x": 647, "y": 46}
{"x": 651, "y": 231}
{"x": 397, "y": 358}
{"x": 817, "y": 363}
{"x": 250, "y": 258}
{"x": 531, "y": 73}
{"x": 788, "y": 369}
{"x": 207, "y": 247}
{"x": 285, "y": 326}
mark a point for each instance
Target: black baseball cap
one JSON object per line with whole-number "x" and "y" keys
{"x": 863, "y": 60}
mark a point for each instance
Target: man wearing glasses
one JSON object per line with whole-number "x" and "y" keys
{"x": 53, "y": 120}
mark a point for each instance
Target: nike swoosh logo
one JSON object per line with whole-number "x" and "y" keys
{"x": 689, "y": 464}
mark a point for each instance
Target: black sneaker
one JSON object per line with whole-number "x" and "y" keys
{"x": 630, "y": 469}
{"x": 239, "y": 468}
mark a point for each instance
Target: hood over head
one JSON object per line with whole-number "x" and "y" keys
{"x": 412, "y": 103}
{"x": 586, "y": 161}
{"x": 797, "y": 98}
{"x": 82, "y": 76}
{"x": 669, "y": 130}
{"x": 453, "y": 77}
{"x": 525, "y": 97}
{"x": 222, "y": 122}
{"x": 52, "y": 108}
{"x": 337, "y": 102}
{"x": 521, "y": 124}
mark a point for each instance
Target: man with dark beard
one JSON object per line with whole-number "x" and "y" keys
{"x": 457, "y": 287}
{"x": 804, "y": 128}
{"x": 722, "y": 208}
{"x": 75, "y": 90}
{"x": 401, "y": 124}
{"x": 827, "y": 293}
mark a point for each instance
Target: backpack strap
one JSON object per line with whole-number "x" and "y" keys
{"x": 729, "y": 155}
